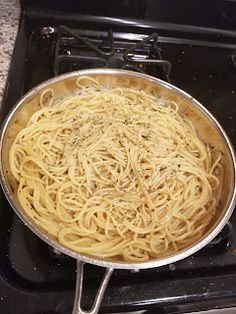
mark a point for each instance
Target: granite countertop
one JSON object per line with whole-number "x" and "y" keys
{"x": 9, "y": 20}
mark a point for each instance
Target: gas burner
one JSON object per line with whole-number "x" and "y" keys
{"x": 74, "y": 51}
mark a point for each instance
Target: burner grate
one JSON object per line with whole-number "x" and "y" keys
{"x": 74, "y": 51}
{"x": 154, "y": 58}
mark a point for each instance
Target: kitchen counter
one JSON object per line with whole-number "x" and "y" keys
{"x": 9, "y": 20}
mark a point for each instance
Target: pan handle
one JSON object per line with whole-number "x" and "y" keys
{"x": 79, "y": 289}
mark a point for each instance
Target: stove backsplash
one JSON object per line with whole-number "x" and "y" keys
{"x": 209, "y": 13}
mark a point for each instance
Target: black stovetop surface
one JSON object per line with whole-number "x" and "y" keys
{"x": 33, "y": 278}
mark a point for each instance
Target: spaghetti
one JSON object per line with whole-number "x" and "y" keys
{"x": 116, "y": 173}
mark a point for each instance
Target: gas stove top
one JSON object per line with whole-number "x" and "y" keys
{"x": 200, "y": 60}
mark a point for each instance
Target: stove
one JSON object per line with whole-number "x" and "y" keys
{"x": 194, "y": 48}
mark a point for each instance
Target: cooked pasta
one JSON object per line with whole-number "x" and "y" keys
{"x": 116, "y": 173}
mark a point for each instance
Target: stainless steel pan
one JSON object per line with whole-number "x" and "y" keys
{"x": 206, "y": 124}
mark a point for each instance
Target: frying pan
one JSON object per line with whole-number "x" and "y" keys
{"x": 207, "y": 126}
